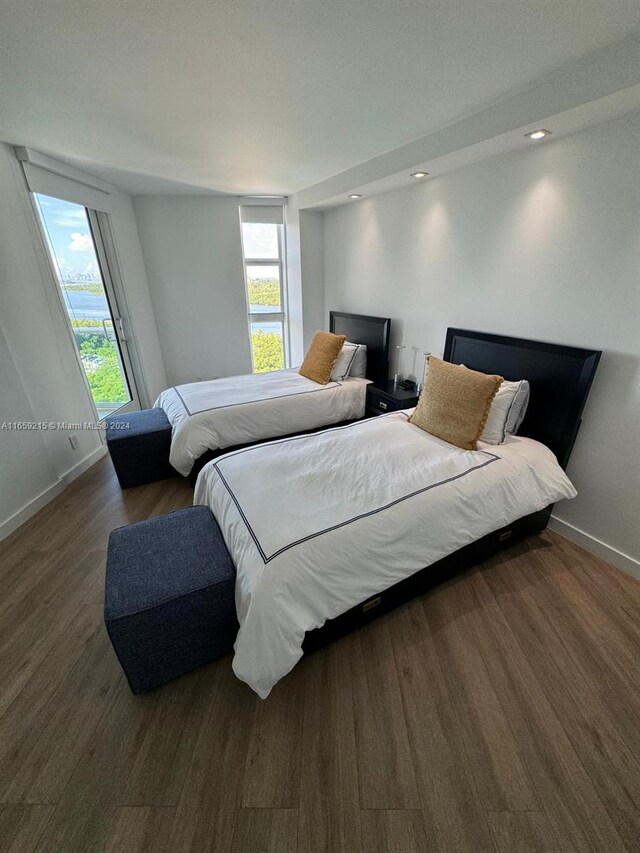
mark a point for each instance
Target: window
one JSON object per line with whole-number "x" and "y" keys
{"x": 74, "y": 215}
{"x": 263, "y": 251}
{"x": 74, "y": 239}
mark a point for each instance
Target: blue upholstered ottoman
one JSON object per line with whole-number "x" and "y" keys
{"x": 169, "y": 597}
{"x": 139, "y": 444}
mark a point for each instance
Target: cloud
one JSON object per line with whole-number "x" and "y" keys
{"x": 80, "y": 242}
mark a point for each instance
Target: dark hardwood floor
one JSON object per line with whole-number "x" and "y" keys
{"x": 499, "y": 712}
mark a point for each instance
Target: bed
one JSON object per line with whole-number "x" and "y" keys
{"x": 210, "y": 417}
{"x": 327, "y": 530}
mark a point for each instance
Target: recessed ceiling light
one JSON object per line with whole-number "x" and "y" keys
{"x": 419, "y": 174}
{"x": 538, "y": 134}
{"x": 354, "y": 195}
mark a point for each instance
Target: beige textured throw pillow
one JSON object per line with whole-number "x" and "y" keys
{"x": 455, "y": 403}
{"x": 321, "y": 356}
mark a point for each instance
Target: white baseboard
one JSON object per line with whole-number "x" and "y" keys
{"x": 80, "y": 467}
{"x": 35, "y": 504}
{"x": 607, "y": 552}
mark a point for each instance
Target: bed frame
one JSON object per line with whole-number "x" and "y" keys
{"x": 560, "y": 379}
{"x": 359, "y": 328}
{"x": 372, "y": 331}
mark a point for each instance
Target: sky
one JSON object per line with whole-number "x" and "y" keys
{"x": 259, "y": 240}
{"x": 69, "y": 237}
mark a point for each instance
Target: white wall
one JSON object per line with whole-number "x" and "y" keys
{"x": 543, "y": 244}
{"x": 193, "y": 257}
{"x": 40, "y": 377}
{"x": 25, "y": 468}
{"x": 312, "y": 273}
{"x": 305, "y": 277}
{"x": 294, "y": 283}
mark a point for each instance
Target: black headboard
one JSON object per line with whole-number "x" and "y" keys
{"x": 372, "y": 331}
{"x": 560, "y": 379}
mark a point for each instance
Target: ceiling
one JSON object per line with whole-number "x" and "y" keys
{"x": 270, "y": 96}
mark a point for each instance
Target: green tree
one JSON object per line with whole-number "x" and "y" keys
{"x": 264, "y": 291}
{"x": 84, "y": 322}
{"x": 85, "y": 287}
{"x": 268, "y": 352}
{"x": 105, "y": 378}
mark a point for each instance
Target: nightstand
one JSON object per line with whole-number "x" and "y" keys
{"x": 383, "y": 397}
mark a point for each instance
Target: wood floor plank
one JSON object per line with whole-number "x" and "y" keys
{"x": 74, "y": 715}
{"x": 523, "y": 832}
{"x": 21, "y": 826}
{"x": 596, "y": 635}
{"x": 392, "y": 831}
{"x": 139, "y": 829}
{"x": 617, "y": 644}
{"x": 617, "y": 602}
{"x": 272, "y": 772}
{"x": 56, "y": 576}
{"x": 82, "y": 820}
{"x": 501, "y": 777}
{"x": 611, "y": 761}
{"x": 12, "y": 550}
{"x": 595, "y": 572}
{"x": 386, "y": 772}
{"x": 266, "y": 830}
{"x": 595, "y": 615}
{"x": 56, "y": 573}
{"x": 212, "y": 791}
{"x": 514, "y": 642}
{"x": 18, "y": 588}
{"x": 453, "y": 815}
{"x": 329, "y": 798}
{"x": 24, "y": 719}
{"x": 165, "y": 755}
{"x": 32, "y": 639}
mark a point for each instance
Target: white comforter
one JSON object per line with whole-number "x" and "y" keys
{"x": 241, "y": 409}
{"x": 317, "y": 524}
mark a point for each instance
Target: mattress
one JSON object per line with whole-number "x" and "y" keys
{"x": 236, "y": 410}
{"x": 317, "y": 524}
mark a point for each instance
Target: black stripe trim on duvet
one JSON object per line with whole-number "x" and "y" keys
{"x": 261, "y": 400}
{"x": 242, "y": 515}
{"x": 355, "y": 518}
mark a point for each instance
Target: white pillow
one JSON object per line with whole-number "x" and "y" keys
{"x": 507, "y": 411}
{"x": 359, "y": 365}
{"x": 343, "y": 362}
{"x": 349, "y": 362}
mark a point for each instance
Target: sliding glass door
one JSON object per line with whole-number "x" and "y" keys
{"x": 76, "y": 247}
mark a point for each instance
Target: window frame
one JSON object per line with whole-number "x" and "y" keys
{"x": 281, "y": 316}
{"x": 100, "y": 230}
{"x": 46, "y": 176}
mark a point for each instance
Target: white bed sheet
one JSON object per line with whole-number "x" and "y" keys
{"x": 315, "y": 525}
{"x": 235, "y": 410}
